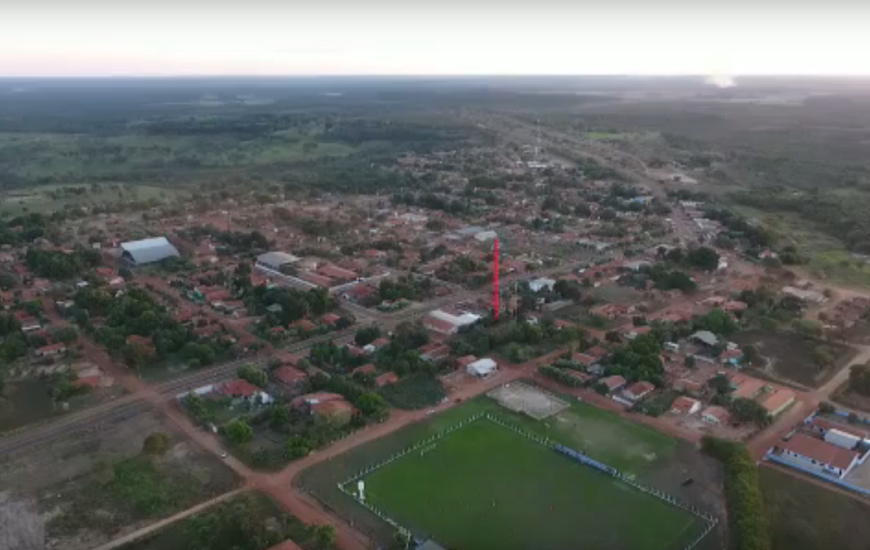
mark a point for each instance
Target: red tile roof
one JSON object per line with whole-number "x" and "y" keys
{"x": 315, "y": 397}
{"x": 776, "y": 400}
{"x": 365, "y": 369}
{"x": 466, "y": 360}
{"x": 288, "y": 375}
{"x": 336, "y": 272}
{"x": 386, "y": 378}
{"x": 597, "y": 352}
{"x": 329, "y": 318}
{"x": 584, "y": 359}
{"x": 238, "y": 388}
{"x": 639, "y": 389}
{"x": 51, "y": 348}
{"x": 438, "y": 325}
{"x": 819, "y": 450}
{"x": 613, "y": 382}
{"x": 683, "y": 404}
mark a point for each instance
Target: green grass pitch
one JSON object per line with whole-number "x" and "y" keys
{"x": 484, "y": 487}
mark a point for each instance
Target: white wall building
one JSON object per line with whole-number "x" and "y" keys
{"x": 482, "y": 367}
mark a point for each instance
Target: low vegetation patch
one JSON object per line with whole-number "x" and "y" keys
{"x": 417, "y": 391}
{"x": 246, "y": 522}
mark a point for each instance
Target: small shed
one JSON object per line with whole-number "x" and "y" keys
{"x": 482, "y": 367}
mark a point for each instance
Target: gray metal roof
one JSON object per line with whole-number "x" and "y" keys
{"x": 706, "y": 336}
{"x": 277, "y": 258}
{"x": 149, "y": 250}
{"x": 430, "y": 545}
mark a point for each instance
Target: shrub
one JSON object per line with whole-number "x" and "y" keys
{"x": 417, "y": 391}
{"x": 747, "y": 519}
{"x": 560, "y": 376}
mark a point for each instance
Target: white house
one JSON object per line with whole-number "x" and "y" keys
{"x": 449, "y": 320}
{"x": 541, "y": 283}
{"x": 482, "y": 367}
{"x": 842, "y": 439}
{"x": 484, "y": 236}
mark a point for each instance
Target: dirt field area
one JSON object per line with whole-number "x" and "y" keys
{"x": 806, "y": 516}
{"x": 795, "y": 358}
{"x": 82, "y": 491}
{"x": 532, "y": 401}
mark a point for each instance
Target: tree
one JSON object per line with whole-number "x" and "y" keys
{"x": 125, "y": 273}
{"x": 238, "y": 432}
{"x": 67, "y": 335}
{"x": 367, "y": 335}
{"x": 751, "y": 355}
{"x": 8, "y": 281}
{"x": 721, "y": 384}
{"x": 156, "y": 444}
{"x": 704, "y": 258}
{"x": 253, "y": 374}
{"x": 719, "y": 322}
{"x": 859, "y": 379}
{"x": 747, "y": 410}
{"x": 135, "y": 355}
{"x": 690, "y": 362}
{"x": 323, "y": 537}
{"x": 808, "y": 327}
{"x": 568, "y": 290}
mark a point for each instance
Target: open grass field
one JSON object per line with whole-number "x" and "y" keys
{"x": 83, "y": 490}
{"x": 805, "y": 516}
{"x": 484, "y": 486}
{"x": 827, "y": 257}
{"x": 654, "y": 458}
{"x": 49, "y": 198}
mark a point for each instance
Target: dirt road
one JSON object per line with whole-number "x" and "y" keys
{"x": 157, "y": 525}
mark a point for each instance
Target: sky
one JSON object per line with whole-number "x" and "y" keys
{"x": 433, "y": 37}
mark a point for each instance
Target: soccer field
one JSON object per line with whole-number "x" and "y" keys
{"x": 484, "y": 486}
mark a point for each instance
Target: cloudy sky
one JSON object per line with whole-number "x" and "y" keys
{"x": 290, "y": 37}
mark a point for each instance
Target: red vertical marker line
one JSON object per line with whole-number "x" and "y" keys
{"x": 495, "y": 282}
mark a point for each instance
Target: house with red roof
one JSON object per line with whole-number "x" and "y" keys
{"x": 816, "y": 455}
{"x": 304, "y": 325}
{"x": 386, "y": 379}
{"x": 365, "y": 369}
{"x": 335, "y": 272}
{"x": 146, "y": 343}
{"x": 434, "y": 351}
{"x": 638, "y": 391}
{"x": 716, "y": 415}
{"x": 329, "y": 318}
{"x": 243, "y": 390}
{"x": 597, "y": 352}
{"x": 289, "y": 376}
{"x": 440, "y": 326}
{"x": 50, "y": 350}
{"x": 613, "y": 383}
{"x": 325, "y": 404}
{"x": 685, "y": 406}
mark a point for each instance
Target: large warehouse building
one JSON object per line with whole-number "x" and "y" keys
{"x": 148, "y": 251}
